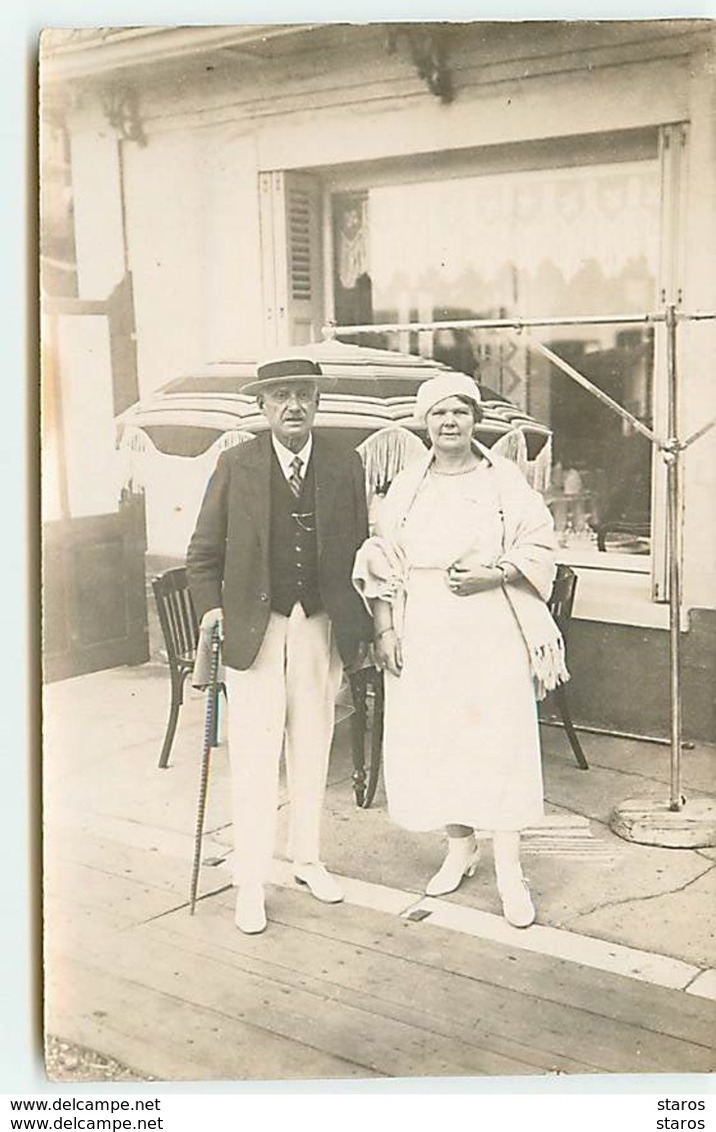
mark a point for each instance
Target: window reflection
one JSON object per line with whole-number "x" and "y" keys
{"x": 351, "y": 261}
{"x": 539, "y": 243}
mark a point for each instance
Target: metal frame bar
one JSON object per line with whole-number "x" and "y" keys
{"x": 332, "y": 330}
{"x": 673, "y": 495}
{"x": 671, "y": 450}
{"x": 599, "y": 393}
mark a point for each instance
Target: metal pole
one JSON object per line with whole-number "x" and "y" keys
{"x": 699, "y": 433}
{"x": 597, "y": 392}
{"x": 672, "y": 454}
{"x": 332, "y": 330}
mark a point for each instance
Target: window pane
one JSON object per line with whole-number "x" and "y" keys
{"x": 541, "y": 243}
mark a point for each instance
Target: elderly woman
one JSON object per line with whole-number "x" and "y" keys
{"x": 456, "y": 576}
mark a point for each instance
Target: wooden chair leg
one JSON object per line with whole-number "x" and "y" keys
{"x": 376, "y": 739}
{"x": 561, "y": 693}
{"x": 169, "y": 734}
{"x": 358, "y": 681}
{"x": 177, "y": 694}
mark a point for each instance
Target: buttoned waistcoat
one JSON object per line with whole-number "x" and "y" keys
{"x": 228, "y": 560}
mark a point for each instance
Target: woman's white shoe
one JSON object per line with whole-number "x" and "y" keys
{"x": 517, "y": 906}
{"x": 461, "y": 861}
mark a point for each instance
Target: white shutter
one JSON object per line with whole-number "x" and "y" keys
{"x": 290, "y": 211}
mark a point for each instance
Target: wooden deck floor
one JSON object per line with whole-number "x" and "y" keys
{"x": 327, "y": 992}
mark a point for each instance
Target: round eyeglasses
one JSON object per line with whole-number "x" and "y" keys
{"x": 282, "y": 394}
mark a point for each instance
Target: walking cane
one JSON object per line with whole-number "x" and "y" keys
{"x": 210, "y": 740}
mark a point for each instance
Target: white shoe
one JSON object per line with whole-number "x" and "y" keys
{"x": 461, "y": 861}
{"x": 250, "y": 913}
{"x": 322, "y": 885}
{"x": 517, "y": 906}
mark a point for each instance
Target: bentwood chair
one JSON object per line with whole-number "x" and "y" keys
{"x": 367, "y": 691}
{"x": 180, "y": 629}
{"x": 561, "y": 603}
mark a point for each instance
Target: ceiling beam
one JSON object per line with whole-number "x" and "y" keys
{"x": 63, "y": 58}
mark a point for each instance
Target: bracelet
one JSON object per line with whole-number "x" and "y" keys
{"x": 390, "y": 629}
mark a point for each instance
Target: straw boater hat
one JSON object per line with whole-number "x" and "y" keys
{"x": 280, "y": 371}
{"x": 439, "y": 388}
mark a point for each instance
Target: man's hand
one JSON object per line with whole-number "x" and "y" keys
{"x": 211, "y": 618}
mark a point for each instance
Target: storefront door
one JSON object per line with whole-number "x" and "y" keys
{"x": 94, "y": 608}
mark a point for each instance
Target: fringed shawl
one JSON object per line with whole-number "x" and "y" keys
{"x": 529, "y": 544}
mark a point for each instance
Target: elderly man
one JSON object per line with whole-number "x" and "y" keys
{"x": 270, "y": 561}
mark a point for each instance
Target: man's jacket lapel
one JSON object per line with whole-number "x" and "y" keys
{"x": 325, "y": 472}
{"x": 257, "y": 487}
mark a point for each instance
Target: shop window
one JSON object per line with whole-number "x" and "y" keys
{"x": 538, "y": 243}
{"x": 353, "y": 299}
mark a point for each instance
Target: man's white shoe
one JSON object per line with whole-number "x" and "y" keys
{"x": 250, "y": 913}
{"x": 323, "y": 886}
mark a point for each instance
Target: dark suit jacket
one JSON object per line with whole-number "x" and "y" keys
{"x": 228, "y": 556}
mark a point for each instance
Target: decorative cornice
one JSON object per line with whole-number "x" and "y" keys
{"x": 120, "y": 105}
{"x": 76, "y": 53}
{"x": 427, "y": 46}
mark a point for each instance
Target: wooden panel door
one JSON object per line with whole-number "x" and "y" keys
{"x": 94, "y": 602}
{"x": 94, "y": 605}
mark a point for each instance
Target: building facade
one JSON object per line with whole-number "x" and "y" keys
{"x": 242, "y": 187}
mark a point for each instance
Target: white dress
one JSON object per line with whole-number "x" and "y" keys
{"x": 461, "y": 741}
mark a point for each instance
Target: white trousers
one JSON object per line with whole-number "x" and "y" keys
{"x": 284, "y": 703}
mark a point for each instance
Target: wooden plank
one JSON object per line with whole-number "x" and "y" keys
{"x": 627, "y": 1000}
{"x": 161, "y": 869}
{"x": 516, "y": 1011}
{"x": 291, "y": 970}
{"x": 618, "y": 997}
{"x": 594, "y": 1040}
{"x": 71, "y": 934}
{"x": 297, "y": 1010}
{"x": 321, "y": 1006}
{"x": 131, "y": 900}
{"x": 173, "y": 1040}
{"x": 216, "y": 942}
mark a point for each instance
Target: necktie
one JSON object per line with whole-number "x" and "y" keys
{"x": 295, "y": 480}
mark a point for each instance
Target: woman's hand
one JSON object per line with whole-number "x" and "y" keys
{"x": 389, "y": 651}
{"x": 467, "y": 575}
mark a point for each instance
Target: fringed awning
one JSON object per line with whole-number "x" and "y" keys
{"x": 233, "y": 437}
{"x": 136, "y": 449}
{"x": 385, "y": 453}
{"x": 367, "y": 393}
{"x": 512, "y": 446}
{"x": 388, "y": 450}
{"x": 133, "y": 446}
